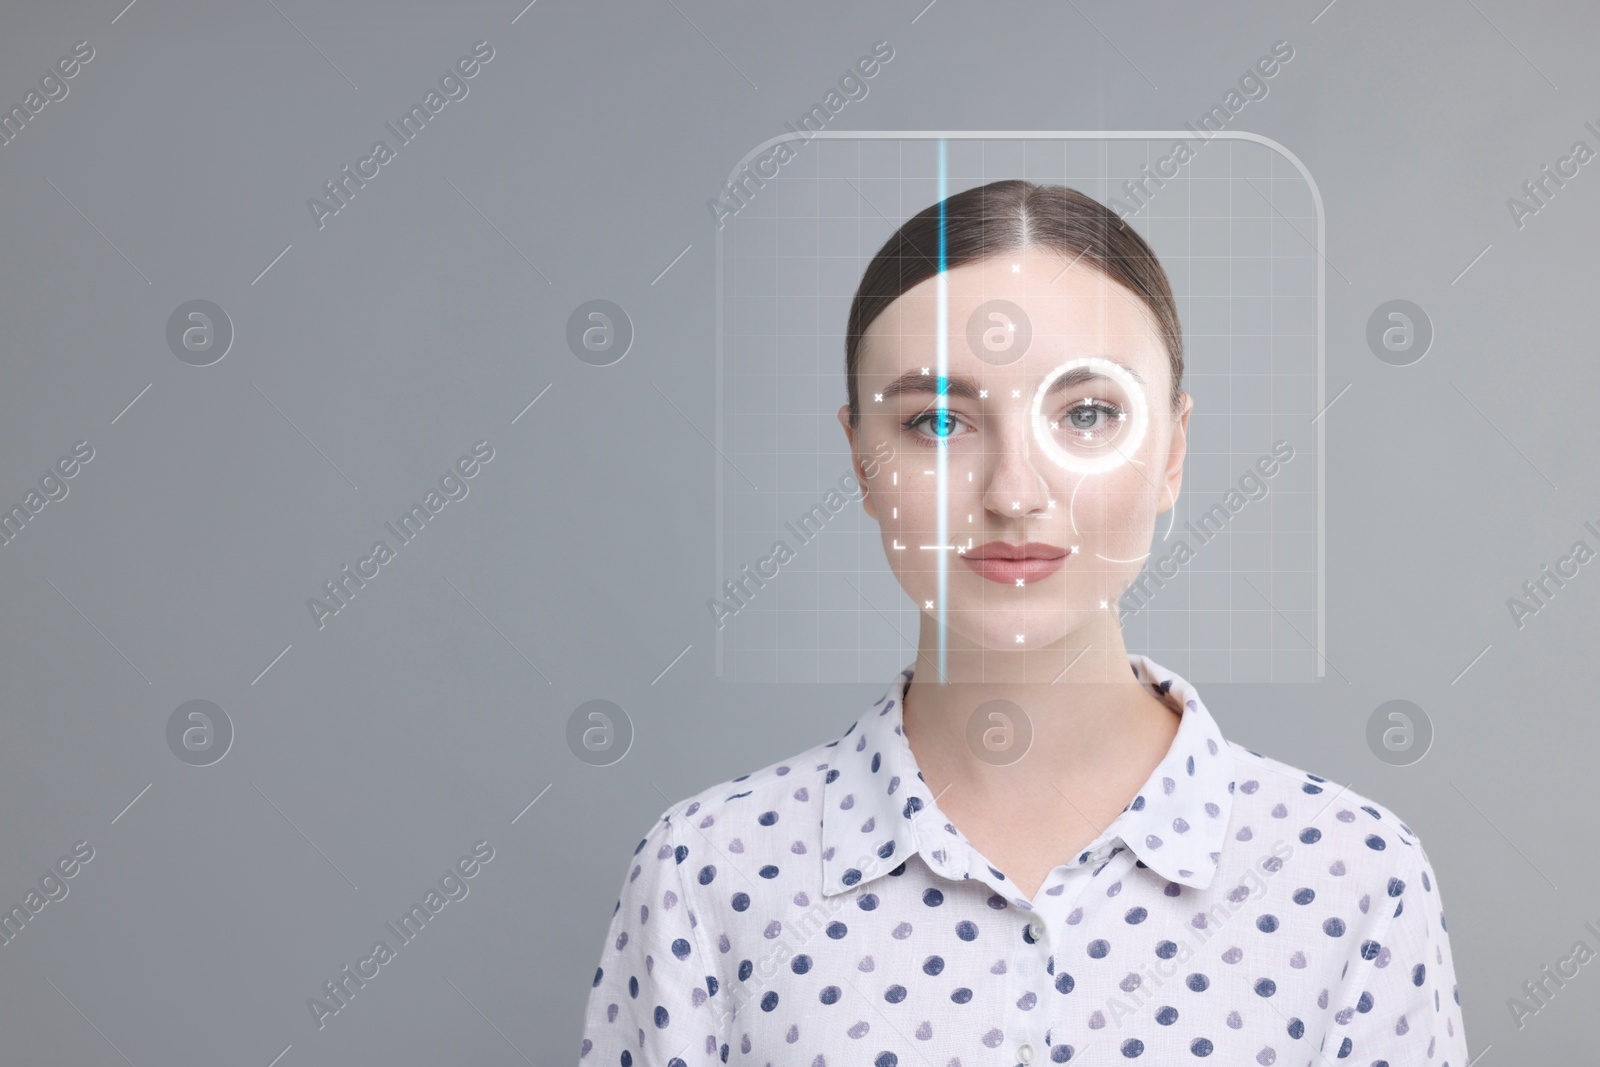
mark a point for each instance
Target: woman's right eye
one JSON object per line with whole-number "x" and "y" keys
{"x": 942, "y": 422}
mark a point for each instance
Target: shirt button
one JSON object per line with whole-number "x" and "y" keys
{"x": 1037, "y": 933}
{"x": 1025, "y": 1053}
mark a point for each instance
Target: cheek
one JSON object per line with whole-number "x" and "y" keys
{"x": 901, "y": 492}
{"x": 908, "y": 501}
{"x": 1115, "y": 504}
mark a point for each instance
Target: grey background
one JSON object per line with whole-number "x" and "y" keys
{"x": 427, "y": 315}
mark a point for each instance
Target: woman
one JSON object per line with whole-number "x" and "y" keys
{"x": 1024, "y": 851}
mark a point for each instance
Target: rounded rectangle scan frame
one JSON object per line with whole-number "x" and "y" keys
{"x": 1045, "y": 135}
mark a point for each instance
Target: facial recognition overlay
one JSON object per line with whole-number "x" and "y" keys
{"x": 1021, "y": 392}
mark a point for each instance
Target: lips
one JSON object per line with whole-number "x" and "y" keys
{"x": 1009, "y": 564}
{"x": 1005, "y": 550}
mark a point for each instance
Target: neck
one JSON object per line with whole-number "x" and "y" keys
{"x": 1075, "y": 704}
{"x": 1093, "y": 653}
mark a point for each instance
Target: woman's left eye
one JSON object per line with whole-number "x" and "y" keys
{"x": 1090, "y": 417}
{"x": 940, "y": 418}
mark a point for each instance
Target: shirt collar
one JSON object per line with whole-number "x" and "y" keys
{"x": 878, "y": 811}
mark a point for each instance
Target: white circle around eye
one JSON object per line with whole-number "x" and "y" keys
{"x": 1138, "y": 418}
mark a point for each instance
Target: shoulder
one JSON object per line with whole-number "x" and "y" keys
{"x": 1356, "y": 834}
{"x": 732, "y": 837}
{"x": 782, "y": 798}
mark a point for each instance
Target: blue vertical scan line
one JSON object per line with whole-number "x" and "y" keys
{"x": 942, "y": 454}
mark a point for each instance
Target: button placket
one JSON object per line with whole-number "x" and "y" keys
{"x": 1074, "y": 879}
{"x": 1029, "y": 996}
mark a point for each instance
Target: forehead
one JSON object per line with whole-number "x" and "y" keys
{"x": 1072, "y": 309}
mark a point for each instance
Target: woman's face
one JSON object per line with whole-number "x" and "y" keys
{"x": 1083, "y": 481}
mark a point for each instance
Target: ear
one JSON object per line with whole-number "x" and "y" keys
{"x": 868, "y": 504}
{"x": 1178, "y": 449}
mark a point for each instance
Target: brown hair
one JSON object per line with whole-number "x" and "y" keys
{"x": 1005, "y": 216}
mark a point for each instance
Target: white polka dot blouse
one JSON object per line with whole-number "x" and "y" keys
{"x": 823, "y": 912}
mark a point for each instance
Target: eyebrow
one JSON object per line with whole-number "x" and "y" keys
{"x": 967, "y": 388}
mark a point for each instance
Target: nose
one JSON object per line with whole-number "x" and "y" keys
{"x": 1014, "y": 487}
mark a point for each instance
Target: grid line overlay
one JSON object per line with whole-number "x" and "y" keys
{"x": 1239, "y": 229}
